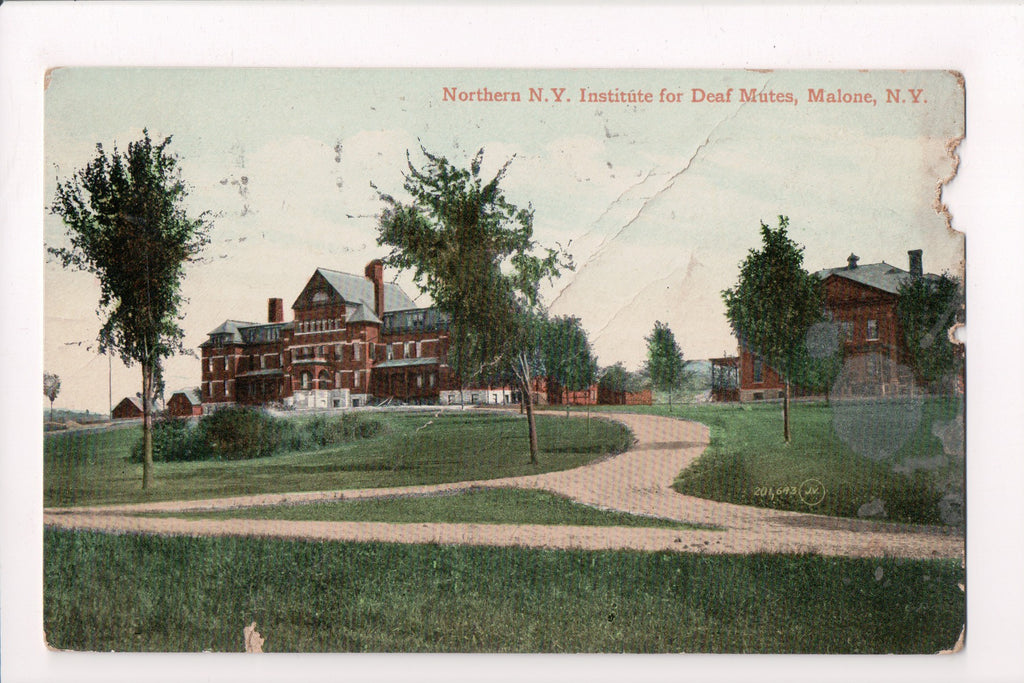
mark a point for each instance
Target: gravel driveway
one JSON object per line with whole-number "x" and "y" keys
{"x": 637, "y": 482}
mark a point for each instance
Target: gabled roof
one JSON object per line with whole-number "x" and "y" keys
{"x": 356, "y": 289}
{"x": 190, "y": 395}
{"x": 878, "y": 275}
{"x": 134, "y": 400}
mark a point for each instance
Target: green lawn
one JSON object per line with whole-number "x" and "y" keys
{"x": 748, "y": 462}
{"x": 413, "y": 448}
{"x": 150, "y": 593}
{"x": 488, "y": 506}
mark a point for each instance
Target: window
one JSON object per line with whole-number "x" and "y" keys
{"x": 419, "y": 349}
{"x": 391, "y": 351}
{"x": 372, "y": 351}
{"x": 409, "y": 349}
{"x": 872, "y": 330}
{"x": 263, "y": 362}
{"x": 304, "y": 380}
{"x": 355, "y": 380}
{"x": 433, "y": 379}
{"x": 419, "y": 381}
{"x": 758, "y": 370}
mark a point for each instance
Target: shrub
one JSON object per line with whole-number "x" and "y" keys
{"x": 241, "y": 433}
{"x": 173, "y": 441}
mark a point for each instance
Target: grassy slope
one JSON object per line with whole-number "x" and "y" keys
{"x": 84, "y": 469}
{"x": 141, "y": 593}
{"x": 491, "y": 506}
{"x": 748, "y": 462}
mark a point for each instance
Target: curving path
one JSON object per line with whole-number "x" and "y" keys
{"x": 637, "y": 481}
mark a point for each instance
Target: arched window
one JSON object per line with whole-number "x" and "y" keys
{"x": 304, "y": 379}
{"x": 323, "y": 380}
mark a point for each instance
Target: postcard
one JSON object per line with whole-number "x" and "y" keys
{"x": 503, "y": 361}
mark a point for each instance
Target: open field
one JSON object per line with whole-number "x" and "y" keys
{"x": 151, "y": 593}
{"x": 747, "y": 461}
{"x": 488, "y": 506}
{"x": 420, "y": 448}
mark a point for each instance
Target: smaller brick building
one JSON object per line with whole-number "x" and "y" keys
{"x": 130, "y": 407}
{"x": 186, "y": 403}
{"x": 861, "y": 301}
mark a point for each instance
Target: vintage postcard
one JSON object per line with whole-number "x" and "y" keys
{"x": 503, "y": 361}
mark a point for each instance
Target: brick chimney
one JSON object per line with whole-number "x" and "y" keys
{"x": 851, "y": 261}
{"x": 275, "y": 310}
{"x": 916, "y": 265}
{"x": 375, "y": 274}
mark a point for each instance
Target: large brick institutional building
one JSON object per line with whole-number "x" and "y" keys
{"x": 860, "y": 301}
{"x": 351, "y": 338}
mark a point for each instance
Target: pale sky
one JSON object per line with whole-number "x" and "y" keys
{"x": 658, "y": 202}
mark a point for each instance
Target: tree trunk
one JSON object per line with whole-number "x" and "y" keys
{"x": 51, "y": 410}
{"x": 785, "y": 414}
{"x": 532, "y": 424}
{"x": 567, "y": 401}
{"x": 147, "y": 425}
{"x": 524, "y": 380}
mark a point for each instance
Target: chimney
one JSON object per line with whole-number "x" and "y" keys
{"x": 275, "y": 310}
{"x": 375, "y": 273}
{"x": 916, "y": 266}
{"x": 851, "y": 262}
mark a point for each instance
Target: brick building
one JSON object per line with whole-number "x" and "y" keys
{"x": 861, "y": 302}
{"x": 129, "y": 408}
{"x": 351, "y": 339}
{"x": 185, "y": 403}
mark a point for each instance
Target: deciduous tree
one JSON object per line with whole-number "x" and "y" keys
{"x": 665, "y": 364}
{"x": 127, "y": 225}
{"x": 618, "y": 378}
{"x": 774, "y": 303}
{"x": 926, "y": 309}
{"x": 474, "y": 253}
{"x": 568, "y": 358}
{"x": 51, "y": 387}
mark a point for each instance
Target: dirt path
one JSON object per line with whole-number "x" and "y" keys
{"x": 637, "y": 481}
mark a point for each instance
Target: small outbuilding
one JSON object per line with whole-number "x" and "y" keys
{"x": 130, "y": 407}
{"x": 185, "y": 403}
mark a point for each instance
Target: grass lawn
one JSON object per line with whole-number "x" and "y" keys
{"x": 92, "y": 468}
{"x": 748, "y": 462}
{"x": 150, "y": 593}
{"x": 488, "y": 506}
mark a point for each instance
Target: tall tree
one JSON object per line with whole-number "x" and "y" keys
{"x": 127, "y": 225}
{"x": 568, "y": 357}
{"x": 51, "y": 387}
{"x": 473, "y": 252}
{"x": 665, "y": 365}
{"x": 773, "y": 305}
{"x": 927, "y": 308}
